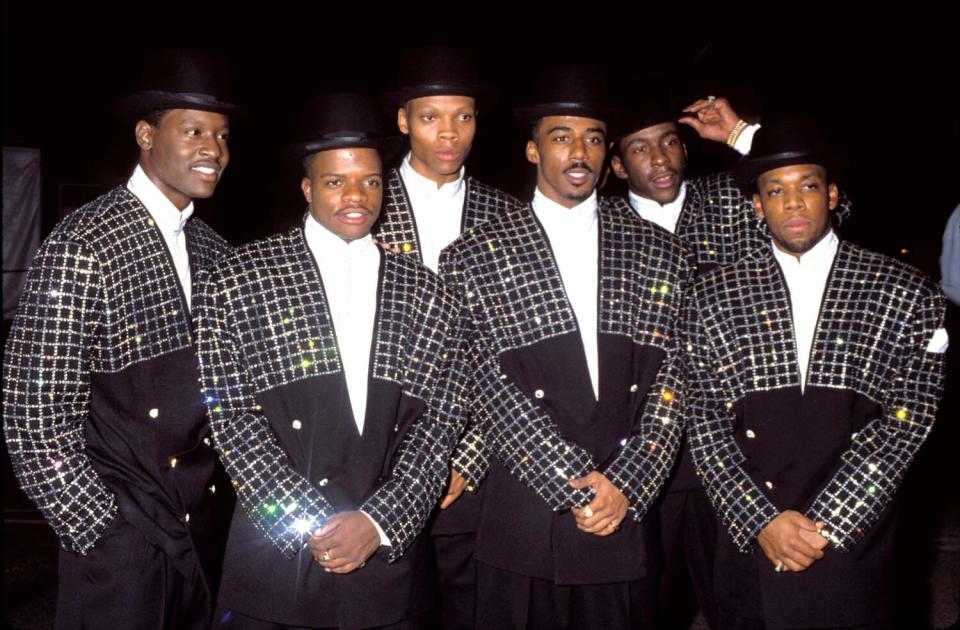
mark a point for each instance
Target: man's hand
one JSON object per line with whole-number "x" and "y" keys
{"x": 345, "y": 542}
{"x": 783, "y": 543}
{"x": 712, "y": 120}
{"x": 603, "y": 515}
{"x": 457, "y": 485}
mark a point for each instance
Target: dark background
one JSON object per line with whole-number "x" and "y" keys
{"x": 882, "y": 85}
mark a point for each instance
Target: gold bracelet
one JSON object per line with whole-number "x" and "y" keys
{"x": 736, "y": 131}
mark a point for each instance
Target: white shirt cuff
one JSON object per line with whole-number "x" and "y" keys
{"x": 745, "y": 140}
{"x": 939, "y": 342}
{"x": 384, "y": 541}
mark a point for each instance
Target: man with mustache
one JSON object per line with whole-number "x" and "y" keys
{"x": 573, "y": 305}
{"x": 104, "y": 421}
{"x": 815, "y": 369}
{"x": 428, "y": 202}
{"x": 326, "y": 362}
{"x": 717, "y": 223}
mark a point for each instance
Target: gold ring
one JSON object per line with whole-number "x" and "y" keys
{"x": 326, "y": 555}
{"x": 587, "y": 512}
{"x": 362, "y": 564}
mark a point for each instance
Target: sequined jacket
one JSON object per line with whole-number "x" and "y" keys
{"x": 837, "y": 451}
{"x": 541, "y": 421}
{"x": 280, "y": 411}
{"x": 101, "y": 394}
{"x": 398, "y": 227}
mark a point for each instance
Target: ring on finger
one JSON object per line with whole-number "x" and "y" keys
{"x": 326, "y": 555}
{"x": 711, "y": 98}
{"x": 588, "y": 512}
{"x": 780, "y": 568}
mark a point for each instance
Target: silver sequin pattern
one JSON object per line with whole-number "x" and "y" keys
{"x": 506, "y": 274}
{"x": 876, "y": 319}
{"x": 251, "y": 341}
{"x": 102, "y": 295}
{"x": 397, "y": 225}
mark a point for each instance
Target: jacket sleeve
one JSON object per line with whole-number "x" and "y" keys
{"x": 46, "y": 386}
{"x": 744, "y": 509}
{"x": 518, "y": 432}
{"x": 280, "y": 502}
{"x": 421, "y": 467}
{"x": 873, "y": 466}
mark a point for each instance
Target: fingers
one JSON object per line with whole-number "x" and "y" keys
{"x": 586, "y": 481}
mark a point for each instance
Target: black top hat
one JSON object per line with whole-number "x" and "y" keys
{"x": 568, "y": 90}
{"x": 654, "y": 104}
{"x": 784, "y": 142}
{"x": 341, "y": 121}
{"x": 437, "y": 70}
{"x": 180, "y": 79}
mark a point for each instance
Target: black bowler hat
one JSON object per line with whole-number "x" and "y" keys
{"x": 784, "y": 142}
{"x": 180, "y": 79}
{"x": 437, "y": 70}
{"x": 568, "y": 90}
{"x": 342, "y": 120}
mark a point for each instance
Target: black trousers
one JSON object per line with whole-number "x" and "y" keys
{"x": 510, "y": 601}
{"x": 457, "y": 575}
{"x": 726, "y": 620}
{"x": 230, "y": 620}
{"x": 688, "y": 528}
{"x": 125, "y": 582}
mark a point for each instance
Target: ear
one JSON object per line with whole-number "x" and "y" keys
{"x": 833, "y": 194}
{"x": 532, "y": 152}
{"x": 617, "y": 165}
{"x": 143, "y": 132}
{"x": 306, "y": 185}
{"x": 402, "y": 123}
{"x": 757, "y": 207}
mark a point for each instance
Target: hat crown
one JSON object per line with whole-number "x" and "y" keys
{"x": 787, "y": 135}
{"x": 437, "y": 66}
{"x": 186, "y": 71}
{"x": 338, "y": 115}
{"x": 571, "y": 84}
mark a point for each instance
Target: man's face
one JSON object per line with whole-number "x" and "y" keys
{"x": 568, "y": 152}
{"x": 795, "y": 201}
{"x": 441, "y": 130}
{"x": 344, "y": 189}
{"x": 185, "y": 154}
{"x": 652, "y": 161}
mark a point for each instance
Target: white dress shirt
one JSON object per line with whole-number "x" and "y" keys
{"x": 350, "y": 272}
{"x": 170, "y": 220}
{"x": 806, "y": 279}
{"x": 666, "y": 216}
{"x": 573, "y": 234}
{"x": 437, "y": 211}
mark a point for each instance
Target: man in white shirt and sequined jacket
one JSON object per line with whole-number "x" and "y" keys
{"x": 328, "y": 365}
{"x": 814, "y": 371}
{"x": 105, "y": 424}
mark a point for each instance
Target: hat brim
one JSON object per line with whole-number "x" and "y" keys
{"x": 622, "y": 124}
{"x": 482, "y": 94}
{"x": 529, "y": 114}
{"x": 387, "y": 146}
{"x": 748, "y": 169}
{"x": 142, "y": 103}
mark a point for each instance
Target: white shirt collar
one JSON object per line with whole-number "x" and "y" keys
{"x": 819, "y": 255}
{"x": 666, "y": 215}
{"x": 167, "y": 216}
{"x": 420, "y": 186}
{"x": 328, "y": 247}
{"x": 578, "y": 218}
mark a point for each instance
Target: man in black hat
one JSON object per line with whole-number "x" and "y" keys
{"x": 104, "y": 421}
{"x": 815, "y": 369}
{"x": 573, "y": 304}
{"x": 324, "y": 362}
{"x": 717, "y": 223}
{"x": 429, "y": 201}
